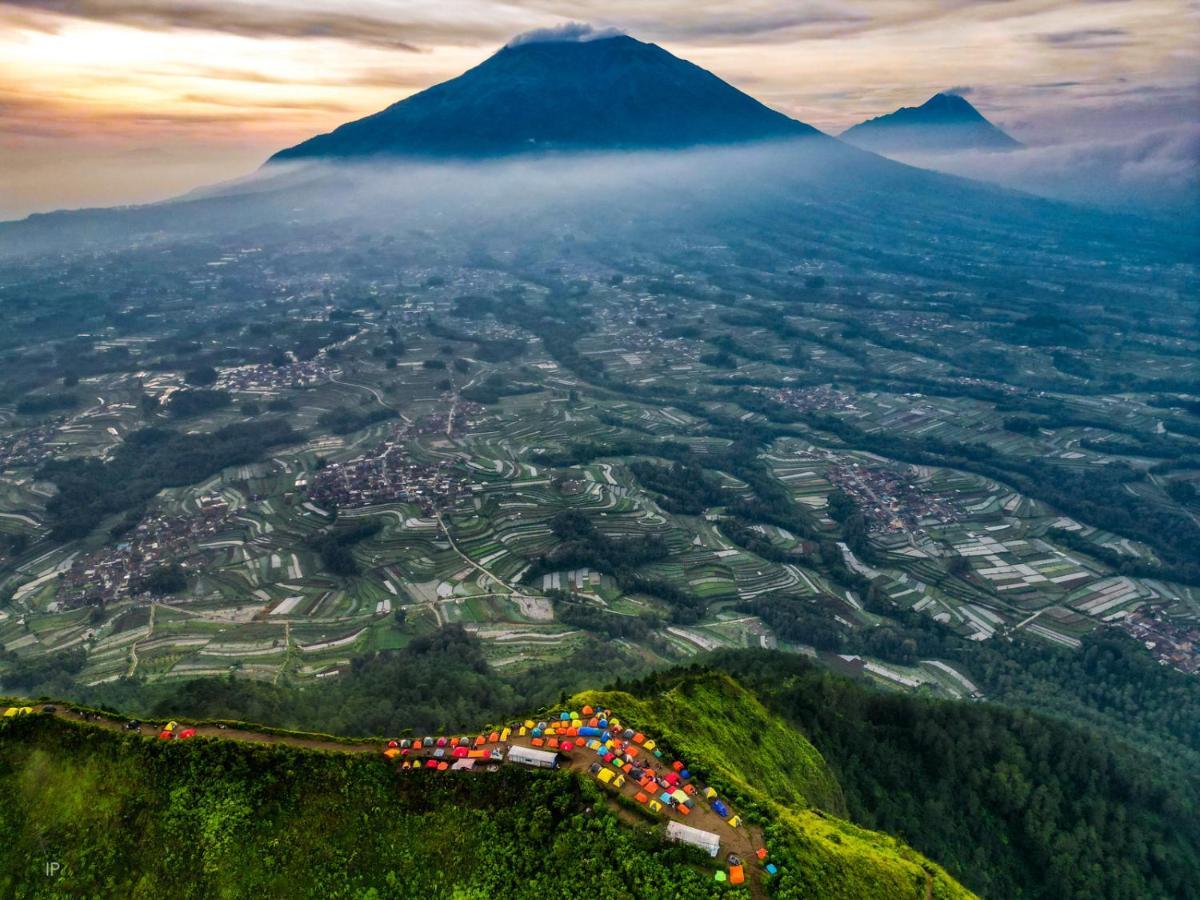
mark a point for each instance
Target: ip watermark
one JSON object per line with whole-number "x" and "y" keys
{"x": 53, "y": 869}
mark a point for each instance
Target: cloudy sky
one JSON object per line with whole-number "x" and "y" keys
{"x": 120, "y": 101}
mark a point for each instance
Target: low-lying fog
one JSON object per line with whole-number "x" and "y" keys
{"x": 817, "y": 184}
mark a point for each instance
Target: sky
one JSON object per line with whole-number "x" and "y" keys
{"x": 106, "y": 102}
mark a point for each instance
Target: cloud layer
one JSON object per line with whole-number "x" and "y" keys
{"x": 1157, "y": 169}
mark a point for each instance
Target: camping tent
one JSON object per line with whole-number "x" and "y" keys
{"x": 685, "y": 834}
{"x": 539, "y": 759}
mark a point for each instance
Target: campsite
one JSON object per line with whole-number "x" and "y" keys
{"x": 638, "y": 775}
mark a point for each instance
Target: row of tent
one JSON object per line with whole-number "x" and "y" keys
{"x": 13, "y": 711}
{"x": 172, "y": 732}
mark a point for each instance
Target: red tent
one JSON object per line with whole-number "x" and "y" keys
{"x": 187, "y": 733}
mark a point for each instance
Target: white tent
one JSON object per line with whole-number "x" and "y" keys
{"x": 539, "y": 759}
{"x": 686, "y": 834}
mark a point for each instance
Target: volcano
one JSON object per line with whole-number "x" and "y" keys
{"x": 943, "y": 123}
{"x": 611, "y": 92}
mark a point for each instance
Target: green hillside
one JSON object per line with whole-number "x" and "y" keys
{"x": 735, "y": 743}
{"x": 126, "y": 816}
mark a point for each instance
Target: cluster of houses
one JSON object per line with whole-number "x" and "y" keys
{"x": 819, "y": 398}
{"x": 31, "y": 447}
{"x": 1172, "y": 642}
{"x": 387, "y": 476}
{"x": 267, "y": 379}
{"x": 888, "y": 497}
{"x": 115, "y": 571}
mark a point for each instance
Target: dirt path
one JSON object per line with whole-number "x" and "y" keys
{"x": 474, "y": 565}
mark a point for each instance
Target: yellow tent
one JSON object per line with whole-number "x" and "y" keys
{"x": 529, "y": 723}
{"x": 11, "y": 711}
{"x": 734, "y": 821}
{"x": 606, "y": 776}
{"x": 654, "y": 806}
{"x": 504, "y": 735}
{"x": 709, "y": 793}
{"x": 649, "y": 745}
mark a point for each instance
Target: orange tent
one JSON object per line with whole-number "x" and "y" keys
{"x": 683, "y": 809}
{"x": 494, "y": 737}
{"x": 479, "y": 741}
{"x": 537, "y": 742}
{"x": 638, "y": 738}
{"x": 761, "y": 852}
{"x": 736, "y": 874}
{"x": 443, "y": 766}
{"x": 640, "y": 797}
{"x": 587, "y": 711}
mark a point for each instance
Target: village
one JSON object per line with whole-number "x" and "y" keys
{"x": 1172, "y": 642}
{"x": 117, "y": 571}
{"x": 889, "y": 497}
{"x": 387, "y": 474}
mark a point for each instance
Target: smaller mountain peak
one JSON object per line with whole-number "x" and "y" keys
{"x": 946, "y": 103}
{"x": 946, "y": 121}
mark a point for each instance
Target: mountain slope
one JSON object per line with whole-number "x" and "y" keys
{"x": 944, "y": 122}
{"x": 606, "y": 93}
{"x": 215, "y": 817}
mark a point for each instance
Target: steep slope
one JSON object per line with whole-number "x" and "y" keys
{"x": 735, "y": 744}
{"x": 944, "y": 122}
{"x": 608, "y": 93}
{"x": 123, "y": 814}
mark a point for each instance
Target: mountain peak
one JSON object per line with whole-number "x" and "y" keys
{"x": 945, "y": 122}
{"x": 568, "y": 89}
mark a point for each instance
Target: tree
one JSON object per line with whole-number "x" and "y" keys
{"x": 201, "y": 376}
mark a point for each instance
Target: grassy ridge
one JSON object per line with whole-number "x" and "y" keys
{"x": 771, "y": 771}
{"x": 216, "y": 818}
{"x": 208, "y": 818}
